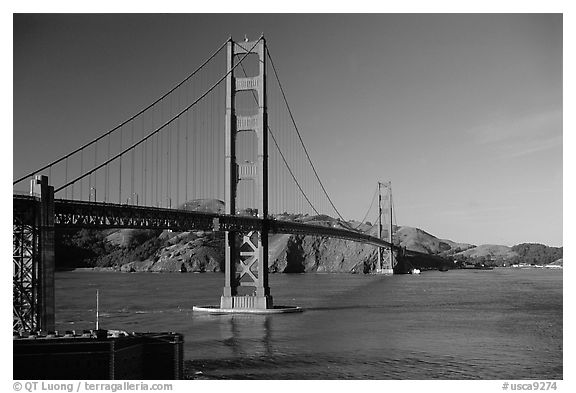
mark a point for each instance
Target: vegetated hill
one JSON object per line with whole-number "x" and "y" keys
{"x": 198, "y": 251}
{"x": 534, "y": 253}
{"x": 488, "y": 253}
{"x": 526, "y": 253}
{"x": 418, "y": 240}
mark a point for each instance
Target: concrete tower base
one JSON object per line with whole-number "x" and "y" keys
{"x": 274, "y": 310}
{"x": 246, "y": 302}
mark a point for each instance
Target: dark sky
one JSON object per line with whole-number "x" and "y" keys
{"x": 463, "y": 113}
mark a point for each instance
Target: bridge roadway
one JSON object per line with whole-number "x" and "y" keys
{"x": 100, "y": 215}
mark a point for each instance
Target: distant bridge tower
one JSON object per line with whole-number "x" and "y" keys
{"x": 385, "y": 256}
{"x": 246, "y": 269}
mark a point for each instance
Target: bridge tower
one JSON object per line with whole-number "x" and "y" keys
{"x": 33, "y": 259}
{"x": 385, "y": 256}
{"x": 246, "y": 253}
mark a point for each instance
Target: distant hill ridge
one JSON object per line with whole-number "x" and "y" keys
{"x": 149, "y": 250}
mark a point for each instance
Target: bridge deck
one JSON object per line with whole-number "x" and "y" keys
{"x": 83, "y": 214}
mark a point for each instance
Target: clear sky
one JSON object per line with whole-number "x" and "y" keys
{"x": 463, "y": 113}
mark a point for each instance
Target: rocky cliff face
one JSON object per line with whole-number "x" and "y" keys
{"x": 300, "y": 254}
{"x": 195, "y": 252}
{"x": 200, "y": 252}
{"x": 183, "y": 252}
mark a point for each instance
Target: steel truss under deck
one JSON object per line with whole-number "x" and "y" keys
{"x": 33, "y": 258}
{"x": 25, "y": 271}
{"x": 98, "y": 215}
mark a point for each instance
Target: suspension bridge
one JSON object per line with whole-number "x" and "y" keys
{"x": 223, "y": 132}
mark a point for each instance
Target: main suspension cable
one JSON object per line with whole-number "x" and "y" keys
{"x": 159, "y": 128}
{"x": 368, "y": 211}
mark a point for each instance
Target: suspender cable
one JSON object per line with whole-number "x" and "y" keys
{"x": 177, "y": 163}
{"x": 157, "y": 172}
{"x": 194, "y": 155}
{"x": 161, "y": 159}
{"x": 178, "y": 158}
{"x": 120, "y": 173}
{"x": 166, "y": 149}
{"x": 132, "y": 169}
{"x": 155, "y": 132}
{"x": 211, "y": 131}
{"x": 81, "y": 170}
{"x": 152, "y": 169}
{"x": 168, "y": 163}
{"x": 144, "y": 171}
{"x": 151, "y": 160}
{"x": 158, "y": 163}
{"x": 201, "y": 156}
{"x": 170, "y": 148}
{"x": 107, "y": 171}
{"x": 95, "y": 162}
{"x": 206, "y": 149}
{"x": 393, "y": 210}
{"x": 169, "y": 132}
{"x": 131, "y": 118}
{"x": 142, "y": 159}
{"x": 186, "y": 152}
{"x": 201, "y": 148}
{"x": 220, "y": 143}
{"x": 66, "y": 178}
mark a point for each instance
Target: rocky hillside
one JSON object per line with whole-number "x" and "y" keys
{"x": 417, "y": 240}
{"x": 165, "y": 251}
{"x": 183, "y": 252}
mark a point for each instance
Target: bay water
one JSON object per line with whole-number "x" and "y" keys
{"x": 461, "y": 324}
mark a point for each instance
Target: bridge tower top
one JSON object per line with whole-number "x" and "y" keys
{"x": 254, "y": 171}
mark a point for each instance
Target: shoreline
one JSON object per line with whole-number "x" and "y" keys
{"x": 119, "y": 270}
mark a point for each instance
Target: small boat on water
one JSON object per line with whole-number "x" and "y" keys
{"x": 415, "y": 271}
